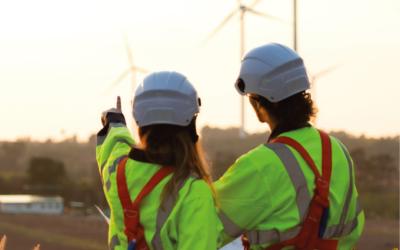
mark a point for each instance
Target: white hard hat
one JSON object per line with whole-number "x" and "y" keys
{"x": 273, "y": 71}
{"x": 165, "y": 98}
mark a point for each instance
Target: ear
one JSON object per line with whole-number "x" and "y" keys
{"x": 262, "y": 113}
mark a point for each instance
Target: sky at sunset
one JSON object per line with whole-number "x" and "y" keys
{"x": 59, "y": 58}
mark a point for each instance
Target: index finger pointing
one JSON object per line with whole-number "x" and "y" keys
{"x": 119, "y": 104}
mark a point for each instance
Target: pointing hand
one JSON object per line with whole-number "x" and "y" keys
{"x": 117, "y": 110}
{"x": 119, "y": 104}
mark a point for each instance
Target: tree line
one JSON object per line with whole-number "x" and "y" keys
{"x": 68, "y": 168}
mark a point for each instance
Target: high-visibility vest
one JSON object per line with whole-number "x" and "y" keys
{"x": 267, "y": 192}
{"x": 134, "y": 230}
{"x": 179, "y": 224}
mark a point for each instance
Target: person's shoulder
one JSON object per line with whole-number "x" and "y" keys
{"x": 257, "y": 155}
{"x": 197, "y": 189}
{"x": 339, "y": 146}
{"x": 199, "y": 186}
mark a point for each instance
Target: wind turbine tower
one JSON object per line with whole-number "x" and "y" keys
{"x": 242, "y": 10}
{"x": 133, "y": 71}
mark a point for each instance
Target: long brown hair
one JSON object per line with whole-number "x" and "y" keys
{"x": 176, "y": 146}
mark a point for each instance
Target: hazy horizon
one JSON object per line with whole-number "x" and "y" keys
{"x": 58, "y": 59}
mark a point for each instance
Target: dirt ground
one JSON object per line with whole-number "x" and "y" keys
{"x": 53, "y": 232}
{"x": 85, "y": 233}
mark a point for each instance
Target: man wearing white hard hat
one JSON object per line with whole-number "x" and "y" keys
{"x": 298, "y": 189}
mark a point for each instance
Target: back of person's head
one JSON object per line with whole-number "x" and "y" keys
{"x": 275, "y": 78}
{"x": 292, "y": 112}
{"x": 165, "y": 108}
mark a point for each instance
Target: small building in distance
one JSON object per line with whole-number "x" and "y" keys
{"x": 31, "y": 204}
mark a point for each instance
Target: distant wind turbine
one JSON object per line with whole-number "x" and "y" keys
{"x": 242, "y": 9}
{"x": 132, "y": 70}
{"x": 315, "y": 77}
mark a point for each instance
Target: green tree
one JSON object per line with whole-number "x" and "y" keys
{"x": 46, "y": 174}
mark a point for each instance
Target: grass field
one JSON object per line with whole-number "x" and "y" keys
{"x": 90, "y": 233}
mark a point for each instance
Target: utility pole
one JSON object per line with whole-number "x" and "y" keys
{"x": 242, "y": 10}
{"x": 295, "y": 25}
{"x": 242, "y": 132}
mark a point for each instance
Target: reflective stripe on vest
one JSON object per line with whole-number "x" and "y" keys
{"x": 299, "y": 182}
{"x": 260, "y": 237}
{"x": 134, "y": 231}
{"x": 303, "y": 198}
{"x": 230, "y": 227}
{"x": 162, "y": 215}
{"x": 114, "y": 242}
{"x": 349, "y": 191}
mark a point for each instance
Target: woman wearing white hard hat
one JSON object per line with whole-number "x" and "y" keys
{"x": 160, "y": 192}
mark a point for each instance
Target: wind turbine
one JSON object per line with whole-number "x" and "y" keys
{"x": 132, "y": 70}
{"x": 242, "y": 9}
{"x": 295, "y": 25}
{"x": 315, "y": 77}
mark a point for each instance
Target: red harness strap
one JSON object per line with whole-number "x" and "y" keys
{"x": 308, "y": 237}
{"x": 133, "y": 229}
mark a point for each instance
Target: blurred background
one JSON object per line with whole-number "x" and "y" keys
{"x": 63, "y": 62}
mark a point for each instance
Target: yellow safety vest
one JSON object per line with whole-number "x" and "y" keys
{"x": 267, "y": 191}
{"x": 191, "y": 222}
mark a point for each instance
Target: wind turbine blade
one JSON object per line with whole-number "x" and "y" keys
{"x": 120, "y": 78}
{"x": 253, "y": 4}
{"x": 139, "y": 69}
{"x": 102, "y": 214}
{"x": 265, "y": 15}
{"x": 324, "y": 72}
{"x": 129, "y": 52}
{"x": 221, "y": 25}
{"x": 117, "y": 81}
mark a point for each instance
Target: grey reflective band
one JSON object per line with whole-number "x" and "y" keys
{"x": 105, "y": 162}
{"x": 296, "y": 175}
{"x": 111, "y": 170}
{"x": 114, "y": 242}
{"x": 162, "y": 216}
{"x": 260, "y": 237}
{"x": 303, "y": 199}
{"x": 349, "y": 191}
{"x": 123, "y": 141}
{"x": 230, "y": 227}
{"x": 116, "y": 125}
{"x": 341, "y": 230}
{"x": 108, "y": 184}
{"x": 102, "y": 167}
{"x": 100, "y": 140}
{"x": 113, "y": 167}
